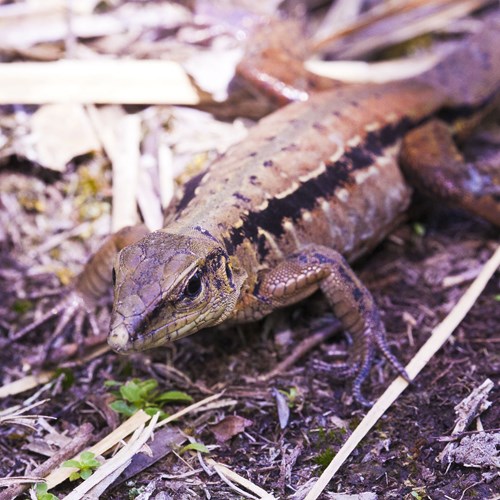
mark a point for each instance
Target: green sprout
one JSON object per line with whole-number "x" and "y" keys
{"x": 41, "y": 492}
{"x": 85, "y": 466}
{"x": 194, "y": 447}
{"x": 138, "y": 395}
{"x": 292, "y": 395}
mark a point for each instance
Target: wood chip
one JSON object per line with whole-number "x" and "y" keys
{"x": 62, "y": 132}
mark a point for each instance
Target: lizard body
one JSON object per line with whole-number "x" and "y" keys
{"x": 270, "y": 222}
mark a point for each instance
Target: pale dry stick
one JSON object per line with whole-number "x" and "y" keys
{"x": 122, "y": 458}
{"x": 16, "y": 480}
{"x": 228, "y": 476}
{"x": 25, "y": 384}
{"x": 119, "y": 134}
{"x": 439, "y": 336}
{"x": 97, "y": 81}
{"x": 374, "y": 72}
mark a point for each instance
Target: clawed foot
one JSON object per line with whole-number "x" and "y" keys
{"x": 71, "y": 313}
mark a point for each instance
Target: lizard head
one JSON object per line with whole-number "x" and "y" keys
{"x": 168, "y": 286}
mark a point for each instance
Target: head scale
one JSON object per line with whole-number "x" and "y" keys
{"x": 168, "y": 286}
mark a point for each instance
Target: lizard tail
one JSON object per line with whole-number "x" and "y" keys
{"x": 470, "y": 76}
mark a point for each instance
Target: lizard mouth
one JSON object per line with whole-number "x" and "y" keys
{"x": 121, "y": 340}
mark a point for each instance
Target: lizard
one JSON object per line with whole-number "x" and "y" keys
{"x": 314, "y": 186}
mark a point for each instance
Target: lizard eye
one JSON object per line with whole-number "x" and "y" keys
{"x": 193, "y": 287}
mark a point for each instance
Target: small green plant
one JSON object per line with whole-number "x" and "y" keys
{"x": 417, "y": 494}
{"x": 85, "y": 466}
{"x": 324, "y": 458}
{"x": 195, "y": 447}
{"x": 143, "y": 395}
{"x": 419, "y": 229}
{"x": 22, "y": 306}
{"x": 292, "y": 396}
{"x": 41, "y": 492}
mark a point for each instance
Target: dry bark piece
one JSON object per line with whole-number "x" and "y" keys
{"x": 230, "y": 427}
{"x": 467, "y": 410}
{"x": 478, "y": 450}
{"x": 62, "y": 132}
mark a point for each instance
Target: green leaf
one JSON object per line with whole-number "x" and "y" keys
{"x": 41, "y": 488}
{"x": 131, "y": 392}
{"x": 41, "y": 491}
{"x": 68, "y": 378}
{"x": 146, "y": 387}
{"x": 153, "y": 410}
{"x": 174, "y": 396}
{"x": 72, "y": 463}
{"x": 74, "y": 476}
{"x": 122, "y": 407}
{"x": 22, "y": 306}
{"x": 86, "y": 473}
{"x": 419, "y": 229}
{"x": 195, "y": 447}
{"x": 111, "y": 383}
{"x": 92, "y": 463}
{"x": 85, "y": 456}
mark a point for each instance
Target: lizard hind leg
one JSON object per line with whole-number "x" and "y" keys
{"x": 314, "y": 267}
{"x": 432, "y": 162}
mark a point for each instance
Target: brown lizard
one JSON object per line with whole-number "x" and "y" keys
{"x": 279, "y": 216}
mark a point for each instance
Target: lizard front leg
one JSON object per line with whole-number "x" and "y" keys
{"x": 80, "y": 298}
{"x": 318, "y": 267}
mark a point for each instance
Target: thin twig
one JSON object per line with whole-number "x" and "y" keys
{"x": 302, "y": 348}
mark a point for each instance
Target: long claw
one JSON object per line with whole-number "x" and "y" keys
{"x": 361, "y": 376}
{"x": 71, "y": 309}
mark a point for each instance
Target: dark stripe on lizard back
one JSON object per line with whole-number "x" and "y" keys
{"x": 307, "y": 195}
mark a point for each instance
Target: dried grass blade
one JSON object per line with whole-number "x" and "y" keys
{"x": 121, "y": 432}
{"x": 119, "y": 461}
{"x": 229, "y": 476}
